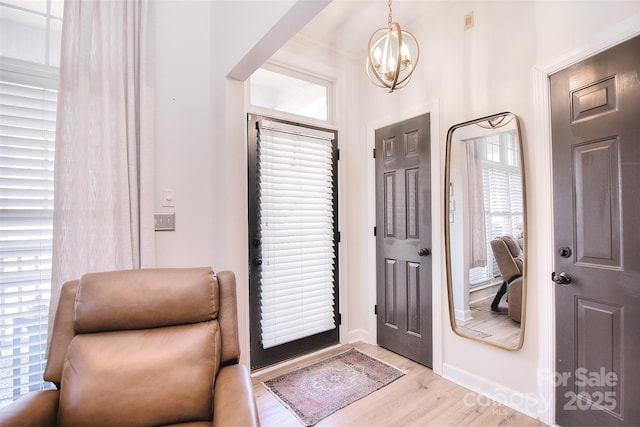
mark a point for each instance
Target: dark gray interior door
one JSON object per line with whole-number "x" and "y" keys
{"x": 595, "y": 108}
{"x": 403, "y": 239}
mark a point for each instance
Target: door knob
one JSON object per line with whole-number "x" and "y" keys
{"x": 564, "y": 252}
{"x": 257, "y": 262}
{"x": 561, "y": 279}
{"x": 424, "y": 252}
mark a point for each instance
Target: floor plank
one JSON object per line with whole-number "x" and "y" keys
{"x": 420, "y": 398}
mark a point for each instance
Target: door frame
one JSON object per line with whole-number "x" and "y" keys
{"x": 437, "y": 269}
{"x": 544, "y": 247}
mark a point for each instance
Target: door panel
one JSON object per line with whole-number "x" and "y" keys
{"x": 595, "y": 107}
{"x": 599, "y": 348}
{"x": 389, "y": 204}
{"x": 597, "y": 213}
{"x": 391, "y": 290}
{"x": 411, "y": 178}
{"x": 404, "y": 218}
{"x": 413, "y": 298}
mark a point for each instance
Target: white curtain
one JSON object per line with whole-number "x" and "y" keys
{"x": 103, "y": 203}
{"x": 476, "y": 205}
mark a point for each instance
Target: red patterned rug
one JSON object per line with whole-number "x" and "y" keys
{"x": 316, "y": 391}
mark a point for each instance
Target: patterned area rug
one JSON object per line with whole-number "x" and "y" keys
{"x": 316, "y": 391}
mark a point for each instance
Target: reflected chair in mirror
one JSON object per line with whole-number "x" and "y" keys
{"x": 143, "y": 347}
{"x": 508, "y": 256}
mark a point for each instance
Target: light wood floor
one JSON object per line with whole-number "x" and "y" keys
{"x": 500, "y": 328}
{"x": 420, "y": 398}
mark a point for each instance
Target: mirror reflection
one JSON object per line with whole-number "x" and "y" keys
{"x": 486, "y": 229}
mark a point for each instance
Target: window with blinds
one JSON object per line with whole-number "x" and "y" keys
{"x": 27, "y": 136}
{"x": 296, "y": 228}
{"x": 502, "y": 187}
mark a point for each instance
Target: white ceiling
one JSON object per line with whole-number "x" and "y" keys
{"x": 346, "y": 25}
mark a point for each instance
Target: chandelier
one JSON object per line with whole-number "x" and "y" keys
{"x": 392, "y": 56}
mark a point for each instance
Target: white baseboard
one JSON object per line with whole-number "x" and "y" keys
{"x": 463, "y": 315}
{"x": 484, "y": 392}
{"x": 359, "y": 334}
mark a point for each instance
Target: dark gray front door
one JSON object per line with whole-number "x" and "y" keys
{"x": 403, "y": 242}
{"x": 595, "y": 108}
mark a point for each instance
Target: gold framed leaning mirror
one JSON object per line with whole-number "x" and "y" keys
{"x": 485, "y": 230}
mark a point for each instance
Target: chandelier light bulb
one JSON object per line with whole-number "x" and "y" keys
{"x": 392, "y": 64}
{"x": 377, "y": 55}
{"x": 405, "y": 55}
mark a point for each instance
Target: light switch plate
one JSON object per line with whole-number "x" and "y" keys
{"x": 165, "y": 221}
{"x": 168, "y": 198}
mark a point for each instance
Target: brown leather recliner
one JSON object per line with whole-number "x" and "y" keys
{"x": 508, "y": 255}
{"x": 143, "y": 347}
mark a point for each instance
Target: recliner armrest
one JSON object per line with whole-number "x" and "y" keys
{"x": 233, "y": 401}
{"x": 38, "y": 408}
{"x": 514, "y": 295}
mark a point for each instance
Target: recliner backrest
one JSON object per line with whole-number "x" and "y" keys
{"x": 507, "y": 254}
{"x": 142, "y": 346}
{"x": 63, "y": 329}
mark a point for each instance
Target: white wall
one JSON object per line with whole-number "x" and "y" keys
{"x": 185, "y": 160}
{"x": 200, "y": 147}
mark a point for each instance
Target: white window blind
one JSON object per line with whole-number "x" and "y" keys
{"x": 27, "y": 136}
{"x": 295, "y": 197}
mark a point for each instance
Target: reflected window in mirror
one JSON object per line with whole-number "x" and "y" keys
{"x": 502, "y": 197}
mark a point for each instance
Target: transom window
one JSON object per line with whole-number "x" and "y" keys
{"x": 290, "y": 93}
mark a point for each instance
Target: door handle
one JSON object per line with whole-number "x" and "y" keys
{"x": 561, "y": 279}
{"x": 424, "y": 252}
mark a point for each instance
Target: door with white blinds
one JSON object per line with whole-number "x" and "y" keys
{"x": 292, "y": 239}
{"x": 27, "y": 137}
